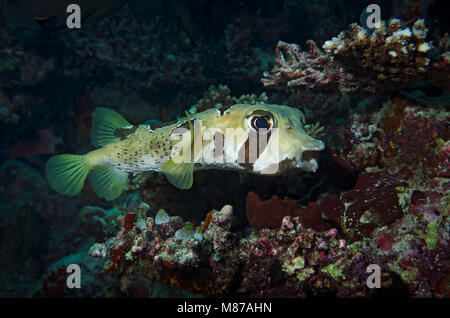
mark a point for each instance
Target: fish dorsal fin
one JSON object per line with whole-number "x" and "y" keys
{"x": 191, "y": 128}
{"x": 180, "y": 174}
{"x": 105, "y": 122}
{"x": 107, "y": 181}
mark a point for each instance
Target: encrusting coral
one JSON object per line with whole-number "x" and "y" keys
{"x": 297, "y": 69}
{"x": 290, "y": 260}
{"x": 394, "y": 53}
{"x": 356, "y": 59}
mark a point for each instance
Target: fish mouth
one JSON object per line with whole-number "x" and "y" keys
{"x": 308, "y": 162}
{"x": 308, "y": 158}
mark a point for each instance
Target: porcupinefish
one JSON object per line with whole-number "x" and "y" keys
{"x": 260, "y": 138}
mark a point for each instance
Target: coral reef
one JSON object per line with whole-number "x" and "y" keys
{"x": 397, "y": 136}
{"x": 395, "y": 54}
{"x": 288, "y": 261}
{"x": 297, "y": 262}
{"x": 356, "y": 59}
{"x": 296, "y": 69}
{"x": 164, "y": 248}
{"x": 270, "y": 213}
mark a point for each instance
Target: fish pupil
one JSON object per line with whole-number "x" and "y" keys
{"x": 261, "y": 122}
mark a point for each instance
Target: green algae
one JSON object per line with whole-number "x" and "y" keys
{"x": 409, "y": 275}
{"x": 305, "y": 274}
{"x": 333, "y": 271}
{"x": 293, "y": 264}
{"x": 431, "y": 236}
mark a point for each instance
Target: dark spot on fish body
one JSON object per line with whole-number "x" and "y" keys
{"x": 185, "y": 125}
{"x": 123, "y": 133}
{"x": 223, "y": 109}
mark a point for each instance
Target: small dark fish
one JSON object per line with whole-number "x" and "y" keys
{"x": 51, "y": 15}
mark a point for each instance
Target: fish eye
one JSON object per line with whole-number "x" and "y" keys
{"x": 261, "y": 122}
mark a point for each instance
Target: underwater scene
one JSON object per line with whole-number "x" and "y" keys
{"x": 216, "y": 148}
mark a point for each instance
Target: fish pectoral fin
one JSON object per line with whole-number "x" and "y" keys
{"x": 180, "y": 175}
{"x": 107, "y": 181}
{"x": 178, "y": 172}
{"x": 105, "y": 122}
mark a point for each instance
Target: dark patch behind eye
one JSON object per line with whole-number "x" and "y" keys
{"x": 246, "y": 149}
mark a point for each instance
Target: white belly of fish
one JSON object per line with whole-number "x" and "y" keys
{"x": 141, "y": 165}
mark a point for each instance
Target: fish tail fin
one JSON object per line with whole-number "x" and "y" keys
{"x": 107, "y": 181}
{"x": 66, "y": 173}
{"x": 105, "y": 122}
